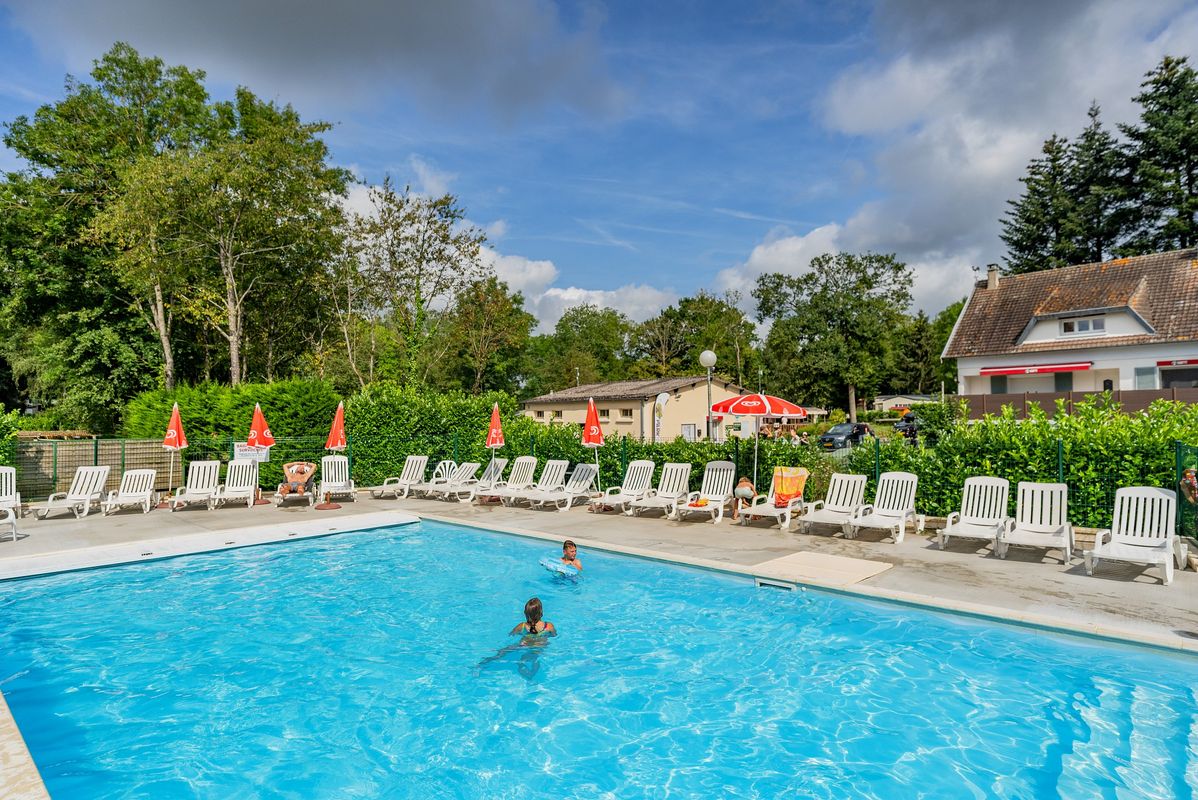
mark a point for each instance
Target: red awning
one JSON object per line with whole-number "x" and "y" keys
{"x": 1178, "y": 362}
{"x": 1038, "y": 369}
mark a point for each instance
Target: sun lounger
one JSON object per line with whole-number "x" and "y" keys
{"x": 412, "y": 473}
{"x": 767, "y": 506}
{"x": 638, "y": 480}
{"x": 983, "y": 513}
{"x": 1142, "y": 531}
{"x": 443, "y": 473}
{"x": 713, "y": 495}
{"x": 553, "y": 477}
{"x": 464, "y": 492}
{"x": 1041, "y": 520}
{"x": 203, "y": 479}
{"x": 672, "y": 488}
{"x": 462, "y": 477}
{"x": 9, "y": 496}
{"x": 893, "y": 507}
{"x": 136, "y": 489}
{"x": 9, "y": 520}
{"x": 87, "y": 488}
{"x": 299, "y": 479}
{"x": 846, "y": 493}
{"x": 519, "y": 479}
{"x": 335, "y": 480}
{"x": 577, "y": 488}
{"x": 241, "y": 483}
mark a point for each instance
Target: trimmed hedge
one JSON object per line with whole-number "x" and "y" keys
{"x": 9, "y": 424}
{"x": 211, "y": 410}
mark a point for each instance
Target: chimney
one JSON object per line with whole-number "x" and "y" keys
{"x": 992, "y": 276}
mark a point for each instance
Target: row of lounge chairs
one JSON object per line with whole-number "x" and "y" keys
{"x": 1142, "y": 530}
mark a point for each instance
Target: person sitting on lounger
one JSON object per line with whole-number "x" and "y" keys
{"x": 297, "y": 478}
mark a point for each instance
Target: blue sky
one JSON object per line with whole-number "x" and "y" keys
{"x": 630, "y": 153}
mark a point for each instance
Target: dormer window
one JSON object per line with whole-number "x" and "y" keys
{"x": 1083, "y": 326}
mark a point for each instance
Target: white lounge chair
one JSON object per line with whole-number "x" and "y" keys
{"x": 519, "y": 479}
{"x": 765, "y": 505}
{"x": 412, "y": 473}
{"x": 846, "y": 493}
{"x": 9, "y": 496}
{"x": 577, "y": 488}
{"x": 443, "y": 473}
{"x": 465, "y": 473}
{"x": 464, "y": 491}
{"x": 136, "y": 489}
{"x": 87, "y": 487}
{"x": 892, "y": 509}
{"x": 1041, "y": 519}
{"x": 672, "y": 488}
{"x": 9, "y": 520}
{"x": 1142, "y": 531}
{"x": 553, "y": 478}
{"x": 638, "y": 479}
{"x": 713, "y": 495}
{"x": 983, "y": 513}
{"x": 241, "y": 483}
{"x": 335, "y": 480}
{"x": 203, "y": 479}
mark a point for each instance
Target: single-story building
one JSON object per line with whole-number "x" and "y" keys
{"x": 893, "y": 402}
{"x": 1130, "y": 323}
{"x": 627, "y": 408}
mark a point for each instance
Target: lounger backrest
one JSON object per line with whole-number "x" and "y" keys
{"x": 1041, "y": 507}
{"x": 8, "y": 486}
{"x": 553, "y": 475}
{"x": 582, "y": 478}
{"x": 413, "y": 469}
{"x": 1144, "y": 516}
{"x": 241, "y": 475}
{"x": 845, "y": 492}
{"x": 203, "y": 476}
{"x": 334, "y": 470}
{"x": 638, "y": 477}
{"x": 984, "y": 500}
{"x": 137, "y": 482}
{"x": 675, "y": 480}
{"x": 465, "y": 471}
{"x": 494, "y": 471}
{"x": 522, "y": 472}
{"x": 444, "y": 469}
{"x": 718, "y": 478}
{"x": 88, "y": 482}
{"x": 896, "y": 493}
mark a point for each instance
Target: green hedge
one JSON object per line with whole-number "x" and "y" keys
{"x": 9, "y": 424}
{"x": 211, "y": 410}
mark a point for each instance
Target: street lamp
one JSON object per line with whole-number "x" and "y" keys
{"x": 707, "y": 359}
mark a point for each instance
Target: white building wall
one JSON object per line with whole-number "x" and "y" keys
{"x": 1117, "y": 364}
{"x": 1117, "y": 324}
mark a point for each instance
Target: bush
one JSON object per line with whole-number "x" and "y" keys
{"x": 52, "y": 419}
{"x": 211, "y": 410}
{"x": 8, "y": 438}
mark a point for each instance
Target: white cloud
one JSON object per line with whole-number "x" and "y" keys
{"x": 496, "y": 230}
{"x": 431, "y": 181}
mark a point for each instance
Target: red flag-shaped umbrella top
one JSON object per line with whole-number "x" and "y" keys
{"x": 336, "y": 440}
{"x": 260, "y": 435}
{"x": 495, "y": 432}
{"x": 592, "y": 431}
{"x": 758, "y": 405}
{"x": 175, "y": 439}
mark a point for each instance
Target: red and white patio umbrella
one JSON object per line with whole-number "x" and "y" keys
{"x": 336, "y": 440}
{"x": 174, "y": 440}
{"x": 592, "y": 435}
{"x": 494, "y": 432}
{"x": 758, "y": 406}
{"x": 260, "y": 435}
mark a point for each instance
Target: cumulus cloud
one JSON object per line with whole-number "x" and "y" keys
{"x": 509, "y": 57}
{"x": 430, "y": 181}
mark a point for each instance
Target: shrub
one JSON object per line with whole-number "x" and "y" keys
{"x": 8, "y": 438}
{"x": 210, "y": 410}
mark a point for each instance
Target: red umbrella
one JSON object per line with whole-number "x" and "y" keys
{"x": 336, "y": 440}
{"x": 592, "y": 434}
{"x": 758, "y": 405}
{"x": 175, "y": 440}
{"x": 260, "y": 435}
{"x": 495, "y": 432}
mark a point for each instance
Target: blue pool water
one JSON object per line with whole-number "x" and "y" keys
{"x": 347, "y": 667}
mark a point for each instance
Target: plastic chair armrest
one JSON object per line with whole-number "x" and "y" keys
{"x": 862, "y": 511}
{"x": 1100, "y": 535}
{"x": 953, "y": 516}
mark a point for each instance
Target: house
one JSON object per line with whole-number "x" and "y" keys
{"x": 626, "y": 408}
{"x": 1120, "y": 325}
{"x": 893, "y": 402}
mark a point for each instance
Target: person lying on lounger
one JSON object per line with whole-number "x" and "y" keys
{"x": 297, "y": 478}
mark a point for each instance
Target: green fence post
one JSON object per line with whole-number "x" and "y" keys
{"x": 95, "y": 451}
{"x": 232, "y": 449}
{"x": 54, "y": 471}
{"x": 877, "y": 460}
{"x": 1178, "y": 472}
{"x": 623, "y": 455}
{"x": 122, "y": 456}
{"x": 1060, "y": 462}
{"x": 532, "y": 443}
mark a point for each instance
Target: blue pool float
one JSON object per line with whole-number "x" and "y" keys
{"x": 555, "y": 565}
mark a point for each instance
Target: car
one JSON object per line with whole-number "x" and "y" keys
{"x": 843, "y": 435}
{"x": 909, "y": 421}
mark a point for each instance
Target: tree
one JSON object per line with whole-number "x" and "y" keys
{"x": 589, "y": 344}
{"x": 916, "y": 356}
{"x": 718, "y": 324}
{"x": 1094, "y": 182}
{"x": 942, "y": 326}
{"x": 1163, "y": 151}
{"x": 1037, "y": 227}
{"x": 490, "y": 328}
{"x": 660, "y": 344}
{"x": 831, "y": 325}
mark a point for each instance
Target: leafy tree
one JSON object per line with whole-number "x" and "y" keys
{"x": 660, "y": 344}
{"x": 589, "y": 344}
{"x": 1037, "y": 226}
{"x": 490, "y": 329}
{"x": 832, "y": 324}
{"x": 917, "y": 357}
{"x": 1094, "y": 182}
{"x": 718, "y": 324}
{"x": 1164, "y": 156}
{"x": 942, "y": 327}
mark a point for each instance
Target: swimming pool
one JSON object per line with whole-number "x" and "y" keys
{"x": 349, "y": 667}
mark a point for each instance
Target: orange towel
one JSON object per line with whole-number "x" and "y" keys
{"x": 788, "y": 484}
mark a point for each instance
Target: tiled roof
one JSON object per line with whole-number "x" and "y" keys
{"x": 627, "y": 390}
{"x": 1162, "y": 288}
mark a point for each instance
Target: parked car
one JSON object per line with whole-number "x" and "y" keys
{"x": 844, "y": 435}
{"x": 909, "y": 421}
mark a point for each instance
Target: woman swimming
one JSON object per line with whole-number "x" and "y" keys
{"x": 534, "y": 633}
{"x": 533, "y": 624}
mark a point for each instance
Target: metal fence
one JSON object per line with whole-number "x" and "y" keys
{"x": 1131, "y": 400}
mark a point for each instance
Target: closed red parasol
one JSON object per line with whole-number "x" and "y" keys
{"x": 260, "y": 435}
{"x": 592, "y": 434}
{"x": 174, "y": 440}
{"x": 336, "y": 440}
{"x": 495, "y": 432}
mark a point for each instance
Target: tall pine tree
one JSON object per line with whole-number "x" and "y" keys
{"x": 1094, "y": 184}
{"x": 1038, "y": 225}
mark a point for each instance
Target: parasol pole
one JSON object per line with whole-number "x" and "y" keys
{"x": 756, "y": 440}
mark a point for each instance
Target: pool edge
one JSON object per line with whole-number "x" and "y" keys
{"x": 22, "y": 781}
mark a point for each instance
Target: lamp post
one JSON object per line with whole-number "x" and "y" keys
{"x": 707, "y": 359}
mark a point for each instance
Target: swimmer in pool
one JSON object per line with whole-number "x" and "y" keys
{"x": 534, "y": 633}
{"x": 533, "y": 625}
{"x": 570, "y": 555}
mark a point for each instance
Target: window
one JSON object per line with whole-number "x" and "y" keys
{"x": 1108, "y": 385}
{"x": 1062, "y": 381}
{"x": 1073, "y": 327}
{"x": 557, "y": 415}
{"x": 604, "y": 413}
{"x": 625, "y": 413}
{"x": 998, "y": 384}
{"x": 540, "y": 414}
{"x": 690, "y": 432}
{"x": 1145, "y": 377}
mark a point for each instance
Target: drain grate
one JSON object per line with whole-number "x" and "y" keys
{"x": 772, "y": 583}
